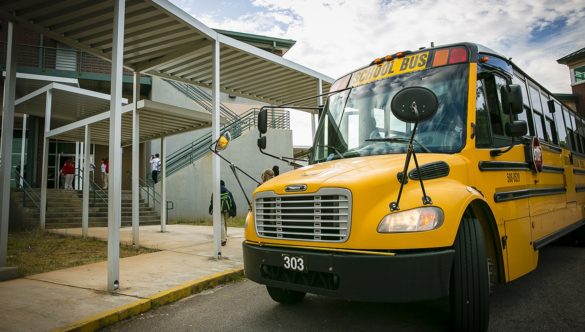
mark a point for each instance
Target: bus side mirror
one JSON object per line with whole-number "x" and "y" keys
{"x": 517, "y": 128}
{"x": 262, "y": 121}
{"x": 511, "y": 99}
{"x": 414, "y": 104}
{"x": 262, "y": 142}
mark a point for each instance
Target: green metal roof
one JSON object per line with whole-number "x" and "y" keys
{"x": 579, "y": 54}
{"x": 263, "y": 42}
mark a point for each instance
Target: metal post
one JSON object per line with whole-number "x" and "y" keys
{"x": 78, "y": 162}
{"x": 215, "y": 166}
{"x": 23, "y": 150}
{"x": 163, "y": 195}
{"x": 86, "y": 175}
{"x": 6, "y": 143}
{"x": 115, "y": 155}
{"x": 135, "y": 161}
{"x": 45, "y": 165}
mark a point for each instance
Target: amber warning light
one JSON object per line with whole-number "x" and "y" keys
{"x": 442, "y": 57}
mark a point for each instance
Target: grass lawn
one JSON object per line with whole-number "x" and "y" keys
{"x": 35, "y": 251}
{"x": 232, "y": 222}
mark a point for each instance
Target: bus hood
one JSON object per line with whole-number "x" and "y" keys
{"x": 371, "y": 171}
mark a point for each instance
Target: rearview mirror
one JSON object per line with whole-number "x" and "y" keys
{"x": 262, "y": 142}
{"x": 414, "y": 104}
{"x": 511, "y": 99}
{"x": 263, "y": 121}
{"x": 516, "y": 128}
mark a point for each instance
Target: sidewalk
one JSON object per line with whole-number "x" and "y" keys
{"x": 76, "y": 298}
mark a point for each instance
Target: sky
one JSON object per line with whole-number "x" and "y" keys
{"x": 334, "y": 37}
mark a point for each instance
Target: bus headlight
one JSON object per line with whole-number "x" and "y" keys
{"x": 415, "y": 220}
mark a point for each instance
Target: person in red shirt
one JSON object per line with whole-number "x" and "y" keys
{"x": 68, "y": 170}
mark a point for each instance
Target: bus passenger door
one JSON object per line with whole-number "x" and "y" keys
{"x": 504, "y": 178}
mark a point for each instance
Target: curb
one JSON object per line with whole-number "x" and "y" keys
{"x": 170, "y": 295}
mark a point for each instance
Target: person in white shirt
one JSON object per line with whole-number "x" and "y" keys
{"x": 155, "y": 167}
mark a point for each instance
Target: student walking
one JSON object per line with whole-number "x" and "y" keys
{"x": 228, "y": 209}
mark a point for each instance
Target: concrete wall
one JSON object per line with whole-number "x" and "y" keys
{"x": 163, "y": 92}
{"x": 190, "y": 188}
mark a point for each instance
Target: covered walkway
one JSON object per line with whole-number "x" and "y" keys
{"x": 150, "y": 37}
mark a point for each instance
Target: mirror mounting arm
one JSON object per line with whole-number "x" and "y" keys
{"x": 234, "y": 168}
{"x": 426, "y": 200}
{"x": 497, "y": 152}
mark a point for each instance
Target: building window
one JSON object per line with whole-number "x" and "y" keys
{"x": 580, "y": 74}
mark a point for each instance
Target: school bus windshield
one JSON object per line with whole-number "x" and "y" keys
{"x": 355, "y": 121}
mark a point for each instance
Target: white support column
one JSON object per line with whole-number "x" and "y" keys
{"x": 6, "y": 143}
{"x": 135, "y": 162}
{"x": 163, "y": 190}
{"x": 45, "y": 165}
{"x": 86, "y": 175}
{"x": 215, "y": 166}
{"x": 78, "y": 162}
{"x": 23, "y": 150}
{"x": 115, "y": 155}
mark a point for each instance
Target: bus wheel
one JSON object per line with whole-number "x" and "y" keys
{"x": 469, "y": 287}
{"x": 579, "y": 236}
{"x": 285, "y": 296}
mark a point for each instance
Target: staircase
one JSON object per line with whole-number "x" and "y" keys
{"x": 65, "y": 209}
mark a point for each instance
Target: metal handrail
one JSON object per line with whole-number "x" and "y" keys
{"x": 278, "y": 119}
{"x": 27, "y": 191}
{"x": 202, "y": 98}
{"x": 94, "y": 187}
{"x": 56, "y": 58}
{"x": 145, "y": 187}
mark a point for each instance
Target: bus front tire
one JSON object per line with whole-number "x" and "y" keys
{"x": 285, "y": 296}
{"x": 469, "y": 287}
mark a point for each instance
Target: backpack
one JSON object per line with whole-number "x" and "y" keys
{"x": 225, "y": 202}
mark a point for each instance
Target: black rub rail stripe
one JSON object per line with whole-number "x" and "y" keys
{"x": 553, "y": 169}
{"x": 552, "y": 148}
{"x": 578, "y": 171}
{"x": 503, "y": 166}
{"x": 506, "y": 196}
{"x": 550, "y": 238}
{"x": 579, "y": 189}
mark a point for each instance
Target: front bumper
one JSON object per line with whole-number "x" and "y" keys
{"x": 360, "y": 277}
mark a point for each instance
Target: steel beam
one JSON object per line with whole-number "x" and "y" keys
{"x": 135, "y": 161}
{"x": 45, "y": 165}
{"x": 163, "y": 194}
{"x": 215, "y": 166}
{"x": 115, "y": 154}
{"x": 86, "y": 178}
{"x": 6, "y": 143}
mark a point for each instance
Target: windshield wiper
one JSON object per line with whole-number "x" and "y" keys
{"x": 398, "y": 140}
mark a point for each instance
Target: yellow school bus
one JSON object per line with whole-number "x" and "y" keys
{"x": 433, "y": 173}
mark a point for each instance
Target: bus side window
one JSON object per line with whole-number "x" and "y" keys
{"x": 482, "y": 126}
{"x": 497, "y": 118}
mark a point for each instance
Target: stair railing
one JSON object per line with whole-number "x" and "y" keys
{"x": 278, "y": 119}
{"x": 27, "y": 191}
{"x": 96, "y": 190}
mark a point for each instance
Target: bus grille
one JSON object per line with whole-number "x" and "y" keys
{"x": 323, "y": 216}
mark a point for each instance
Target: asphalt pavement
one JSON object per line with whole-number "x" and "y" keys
{"x": 551, "y": 298}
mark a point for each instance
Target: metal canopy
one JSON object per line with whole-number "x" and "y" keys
{"x": 156, "y": 120}
{"x": 162, "y": 40}
{"x": 79, "y": 107}
{"x": 68, "y": 103}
